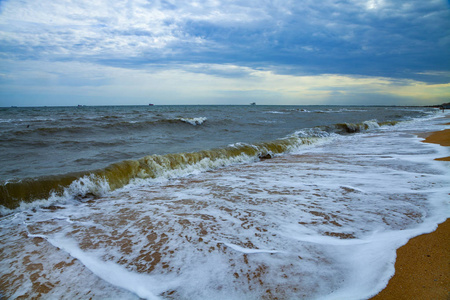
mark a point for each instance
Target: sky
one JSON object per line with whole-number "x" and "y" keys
{"x": 293, "y": 52}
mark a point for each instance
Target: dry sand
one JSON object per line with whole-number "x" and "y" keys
{"x": 422, "y": 268}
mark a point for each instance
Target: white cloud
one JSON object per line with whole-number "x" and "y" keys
{"x": 87, "y": 27}
{"x": 115, "y": 28}
{"x": 375, "y": 4}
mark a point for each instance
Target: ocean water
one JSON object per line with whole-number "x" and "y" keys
{"x": 174, "y": 202}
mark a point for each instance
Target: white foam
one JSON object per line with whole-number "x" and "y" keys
{"x": 194, "y": 121}
{"x": 205, "y": 164}
{"x": 249, "y": 251}
{"x": 144, "y": 286}
{"x": 76, "y": 191}
{"x": 276, "y": 112}
{"x": 89, "y": 184}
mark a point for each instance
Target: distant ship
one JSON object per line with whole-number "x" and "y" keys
{"x": 151, "y": 104}
{"x": 253, "y": 103}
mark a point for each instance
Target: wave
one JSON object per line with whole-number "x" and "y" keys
{"x": 276, "y": 112}
{"x": 95, "y": 183}
{"x": 50, "y": 130}
{"x": 347, "y": 128}
{"x": 32, "y": 120}
{"x": 194, "y": 121}
{"x": 89, "y": 126}
{"x": 142, "y": 124}
{"x": 341, "y": 110}
{"x": 287, "y": 111}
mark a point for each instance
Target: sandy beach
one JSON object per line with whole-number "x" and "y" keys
{"x": 442, "y": 138}
{"x": 422, "y": 267}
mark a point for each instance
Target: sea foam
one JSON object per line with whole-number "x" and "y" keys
{"x": 194, "y": 121}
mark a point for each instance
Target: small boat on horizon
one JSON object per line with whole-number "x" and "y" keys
{"x": 253, "y": 103}
{"x": 151, "y": 104}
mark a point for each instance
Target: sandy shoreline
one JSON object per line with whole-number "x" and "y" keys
{"x": 422, "y": 268}
{"x": 442, "y": 138}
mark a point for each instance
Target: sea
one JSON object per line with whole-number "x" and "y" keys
{"x": 214, "y": 202}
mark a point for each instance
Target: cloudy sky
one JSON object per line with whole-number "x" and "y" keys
{"x": 107, "y": 52}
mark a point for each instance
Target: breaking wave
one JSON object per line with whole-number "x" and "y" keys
{"x": 347, "y": 128}
{"x": 92, "y": 184}
{"x": 194, "y": 121}
{"x": 111, "y": 123}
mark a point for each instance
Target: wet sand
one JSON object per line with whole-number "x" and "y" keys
{"x": 442, "y": 138}
{"x": 422, "y": 268}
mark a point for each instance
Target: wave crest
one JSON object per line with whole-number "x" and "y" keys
{"x": 194, "y": 121}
